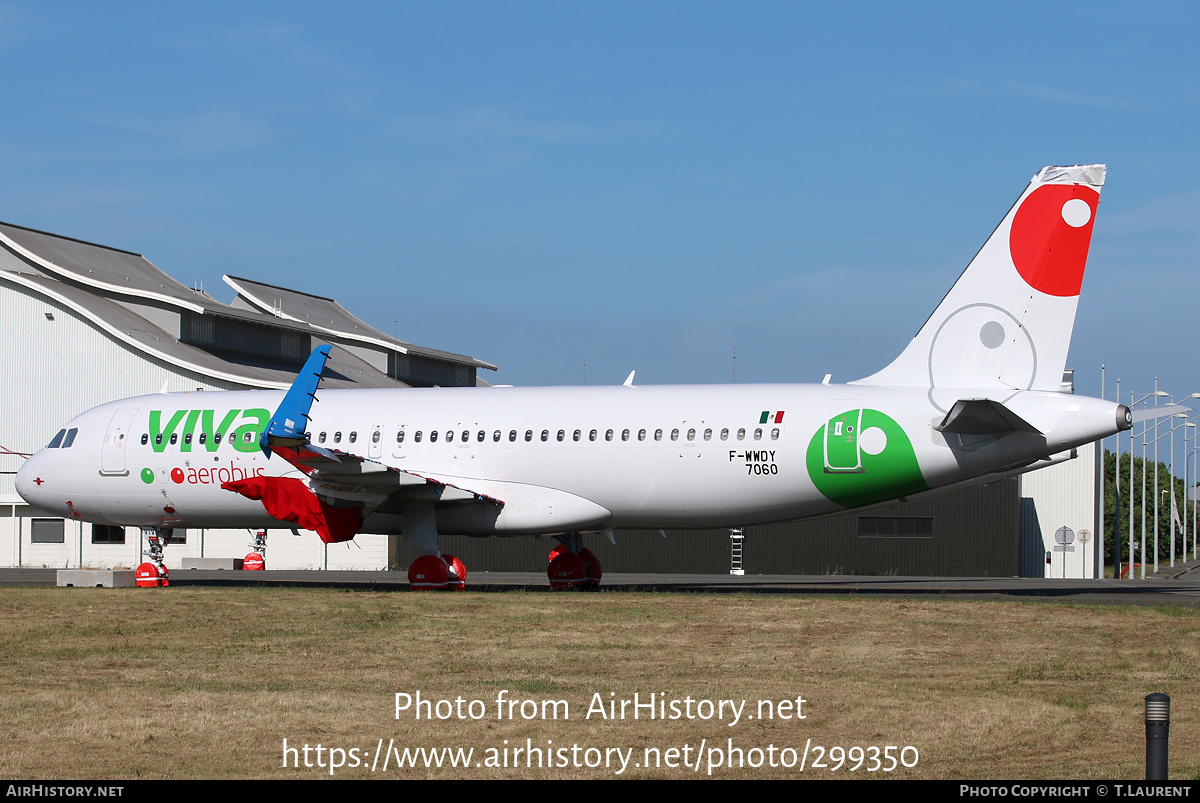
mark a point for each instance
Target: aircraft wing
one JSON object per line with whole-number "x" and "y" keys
{"x": 340, "y": 489}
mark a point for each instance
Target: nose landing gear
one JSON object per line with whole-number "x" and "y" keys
{"x": 256, "y": 560}
{"x": 152, "y": 573}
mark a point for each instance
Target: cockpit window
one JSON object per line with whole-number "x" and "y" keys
{"x": 54, "y": 444}
{"x": 71, "y": 433}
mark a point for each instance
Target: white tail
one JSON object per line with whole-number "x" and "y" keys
{"x": 1006, "y": 323}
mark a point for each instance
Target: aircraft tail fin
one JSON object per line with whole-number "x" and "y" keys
{"x": 1006, "y": 323}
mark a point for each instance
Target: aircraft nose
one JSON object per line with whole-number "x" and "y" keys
{"x": 31, "y": 481}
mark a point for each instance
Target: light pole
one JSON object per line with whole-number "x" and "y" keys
{"x": 1187, "y": 456}
{"x": 1132, "y": 447}
{"x": 1156, "y": 493}
{"x": 1116, "y": 537}
{"x": 1174, "y": 508}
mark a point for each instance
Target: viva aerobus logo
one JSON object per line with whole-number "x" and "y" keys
{"x": 201, "y": 431}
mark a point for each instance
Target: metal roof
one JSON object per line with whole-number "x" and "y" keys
{"x": 343, "y": 369}
{"x": 329, "y": 316}
{"x": 101, "y": 267}
{"x": 91, "y": 279}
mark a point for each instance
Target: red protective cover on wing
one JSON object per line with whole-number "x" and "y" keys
{"x": 290, "y": 499}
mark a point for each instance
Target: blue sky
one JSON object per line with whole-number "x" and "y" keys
{"x": 626, "y": 185}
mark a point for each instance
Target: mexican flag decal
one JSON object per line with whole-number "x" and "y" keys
{"x": 769, "y": 417}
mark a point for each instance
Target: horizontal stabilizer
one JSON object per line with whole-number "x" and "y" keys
{"x": 1151, "y": 413}
{"x": 983, "y": 417}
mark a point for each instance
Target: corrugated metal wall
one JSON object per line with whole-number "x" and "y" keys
{"x": 1062, "y": 495}
{"x": 976, "y": 533}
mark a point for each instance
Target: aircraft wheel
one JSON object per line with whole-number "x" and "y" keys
{"x": 148, "y": 575}
{"x": 428, "y": 573}
{"x": 567, "y": 571}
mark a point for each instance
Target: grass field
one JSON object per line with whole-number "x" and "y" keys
{"x": 208, "y": 683}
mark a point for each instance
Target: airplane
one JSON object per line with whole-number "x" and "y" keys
{"x": 975, "y": 396}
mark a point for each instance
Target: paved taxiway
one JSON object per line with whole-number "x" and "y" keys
{"x": 1177, "y": 586}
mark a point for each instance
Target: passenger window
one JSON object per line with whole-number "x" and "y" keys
{"x": 466, "y": 436}
{"x": 691, "y": 434}
{"x": 592, "y": 435}
{"x": 528, "y": 435}
{"x": 187, "y": 438}
{"x": 449, "y": 436}
{"x": 545, "y": 435}
{"x": 375, "y": 436}
{"x": 203, "y": 438}
{"x": 249, "y": 437}
{"x": 320, "y": 438}
{"x": 433, "y": 436}
{"x": 57, "y": 440}
{"x": 708, "y": 434}
{"x": 741, "y": 434}
{"x": 658, "y": 434}
{"x": 512, "y": 435}
{"x": 146, "y": 439}
{"x": 496, "y": 436}
{"x": 775, "y": 434}
{"x": 577, "y": 435}
{"x": 71, "y": 433}
{"x": 725, "y": 434}
{"x": 174, "y": 438}
{"x": 561, "y": 435}
{"x": 417, "y": 437}
{"x": 758, "y": 434}
{"x": 674, "y": 434}
{"x": 641, "y": 434}
{"x": 400, "y": 436}
{"x": 624, "y": 434}
{"x": 608, "y": 435}
{"x": 353, "y": 436}
{"x": 216, "y": 438}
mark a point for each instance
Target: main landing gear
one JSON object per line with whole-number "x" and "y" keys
{"x": 437, "y": 573}
{"x": 573, "y": 566}
{"x": 152, "y": 573}
{"x": 433, "y": 571}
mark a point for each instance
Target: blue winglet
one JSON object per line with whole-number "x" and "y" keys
{"x": 291, "y": 419}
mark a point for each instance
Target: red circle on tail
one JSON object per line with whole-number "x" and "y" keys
{"x": 1048, "y": 251}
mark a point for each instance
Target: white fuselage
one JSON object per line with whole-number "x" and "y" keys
{"x": 559, "y": 458}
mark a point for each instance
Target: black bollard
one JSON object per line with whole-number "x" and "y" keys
{"x": 1158, "y": 732}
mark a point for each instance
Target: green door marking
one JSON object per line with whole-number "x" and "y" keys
{"x": 860, "y": 457}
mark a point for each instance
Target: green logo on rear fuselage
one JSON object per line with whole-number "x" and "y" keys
{"x": 861, "y": 457}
